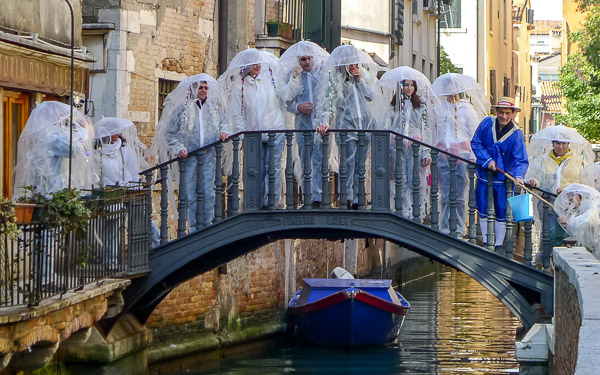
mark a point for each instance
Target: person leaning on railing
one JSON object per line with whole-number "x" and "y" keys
{"x": 498, "y": 145}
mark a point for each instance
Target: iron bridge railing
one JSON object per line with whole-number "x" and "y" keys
{"x": 241, "y": 190}
{"x": 43, "y": 262}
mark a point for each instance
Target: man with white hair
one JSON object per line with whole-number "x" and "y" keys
{"x": 194, "y": 124}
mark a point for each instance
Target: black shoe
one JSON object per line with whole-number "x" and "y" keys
{"x": 355, "y": 206}
{"x": 349, "y": 205}
{"x": 499, "y": 249}
{"x": 316, "y": 205}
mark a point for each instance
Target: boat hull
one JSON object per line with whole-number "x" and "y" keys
{"x": 350, "y": 317}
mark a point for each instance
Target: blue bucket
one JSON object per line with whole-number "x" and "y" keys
{"x": 522, "y": 207}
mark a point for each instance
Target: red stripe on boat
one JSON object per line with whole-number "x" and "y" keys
{"x": 321, "y": 304}
{"x": 380, "y": 303}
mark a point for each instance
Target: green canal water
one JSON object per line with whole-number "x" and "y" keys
{"x": 455, "y": 326}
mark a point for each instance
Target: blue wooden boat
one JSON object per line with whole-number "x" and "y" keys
{"x": 348, "y": 312}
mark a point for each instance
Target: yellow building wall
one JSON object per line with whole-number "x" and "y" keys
{"x": 498, "y": 47}
{"x": 573, "y": 20}
{"x": 522, "y": 69}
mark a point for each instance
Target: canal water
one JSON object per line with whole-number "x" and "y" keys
{"x": 454, "y": 326}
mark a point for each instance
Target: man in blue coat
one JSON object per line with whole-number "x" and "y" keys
{"x": 498, "y": 145}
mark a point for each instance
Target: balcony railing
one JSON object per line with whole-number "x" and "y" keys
{"x": 44, "y": 262}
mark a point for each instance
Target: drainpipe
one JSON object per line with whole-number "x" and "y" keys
{"x": 71, "y": 92}
{"x": 439, "y": 42}
{"x": 222, "y": 43}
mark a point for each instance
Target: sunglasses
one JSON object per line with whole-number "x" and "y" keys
{"x": 203, "y": 88}
{"x": 305, "y": 58}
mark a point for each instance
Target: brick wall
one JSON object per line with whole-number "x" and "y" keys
{"x": 567, "y": 322}
{"x": 181, "y": 33}
{"x": 253, "y": 290}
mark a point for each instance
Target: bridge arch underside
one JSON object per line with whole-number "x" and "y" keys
{"x": 527, "y": 292}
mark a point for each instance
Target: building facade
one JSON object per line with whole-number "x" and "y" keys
{"x": 35, "y": 66}
{"x": 482, "y": 42}
{"x": 523, "y": 24}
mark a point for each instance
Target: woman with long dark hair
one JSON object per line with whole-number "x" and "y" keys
{"x": 410, "y": 119}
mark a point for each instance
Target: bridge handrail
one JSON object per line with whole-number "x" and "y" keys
{"x": 284, "y": 131}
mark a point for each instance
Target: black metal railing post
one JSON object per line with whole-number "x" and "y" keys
{"x": 182, "y": 207}
{"x": 435, "y": 213}
{"x": 326, "y": 196}
{"x": 491, "y": 212}
{"x": 453, "y": 197}
{"x": 289, "y": 172}
{"x": 307, "y": 178}
{"x": 380, "y": 176}
{"x": 510, "y": 236}
{"x": 343, "y": 170}
{"x": 253, "y": 172}
{"x": 416, "y": 183}
{"x": 472, "y": 205}
{"x": 362, "y": 155}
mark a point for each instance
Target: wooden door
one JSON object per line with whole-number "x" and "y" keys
{"x": 15, "y": 113}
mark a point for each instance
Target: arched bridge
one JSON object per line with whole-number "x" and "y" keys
{"x": 242, "y": 224}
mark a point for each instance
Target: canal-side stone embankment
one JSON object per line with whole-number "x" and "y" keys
{"x": 577, "y": 311}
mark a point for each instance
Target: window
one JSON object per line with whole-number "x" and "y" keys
{"x": 165, "y": 86}
{"x": 450, "y": 18}
{"x": 492, "y": 86}
{"x": 506, "y": 89}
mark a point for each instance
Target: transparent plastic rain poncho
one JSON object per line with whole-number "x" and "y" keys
{"x": 580, "y": 204}
{"x": 550, "y": 171}
{"x": 401, "y": 116}
{"x": 591, "y": 175}
{"x": 43, "y": 150}
{"x": 254, "y": 103}
{"x": 180, "y": 127}
{"x": 462, "y": 106}
{"x": 119, "y": 162}
{"x": 289, "y": 60}
{"x": 342, "y": 102}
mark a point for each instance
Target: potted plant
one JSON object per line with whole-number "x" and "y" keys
{"x": 273, "y": 28}
{"x": 285, "y": 30}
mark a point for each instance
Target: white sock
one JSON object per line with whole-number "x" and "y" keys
{"x": 483, "y": 227}
{"x": 500, "y": 229}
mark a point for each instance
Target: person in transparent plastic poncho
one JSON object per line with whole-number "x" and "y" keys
{"x": 557, "y": 156}
{"x": 302, "y": 64}
{"x": 578, "y": 207}
{"x": 346, "y": 99}
{"x": 43, "y": 151}
{"x": 255, "y": 96}
{"x": 410, "y": 114}
{"x": 119, "y": 153}
{"x": 462, "y": 106}
{"x": 192, "y": 118}
{"x": 591, "y": 175}
{"x": 498, "y": 145}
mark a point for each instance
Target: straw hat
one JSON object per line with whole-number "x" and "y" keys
{"x": 506, "y": 102}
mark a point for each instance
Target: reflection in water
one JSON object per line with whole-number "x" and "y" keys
{"x": 454, "y": 326}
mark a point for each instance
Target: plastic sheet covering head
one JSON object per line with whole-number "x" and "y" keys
{"x": 591, "y": 175}
{"x": 180, "y": 105}
{"x": 462, "y": 106}
{"x": 415, "y": 115}
{"x": 579, "y": 205}
{"x": 43, "y": 150}
{"x": 345, "y": 102}
{"x": 253, "y": 89}
{"x": 557, "y": 155}
{"x": 120, "y": 156}
{"x": 290, "y": 58}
